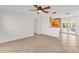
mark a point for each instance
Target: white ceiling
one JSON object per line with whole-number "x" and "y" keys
{"x": 60, "y": 9}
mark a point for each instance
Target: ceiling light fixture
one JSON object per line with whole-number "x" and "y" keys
{"x": 39, "y": 11}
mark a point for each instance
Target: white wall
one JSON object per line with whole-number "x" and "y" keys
{"x": 14, "y": 25}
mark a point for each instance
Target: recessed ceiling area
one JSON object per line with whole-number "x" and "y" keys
{"x": 62, "y": 10}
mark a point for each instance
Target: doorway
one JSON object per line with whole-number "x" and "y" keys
{"x": 68, "y": 26}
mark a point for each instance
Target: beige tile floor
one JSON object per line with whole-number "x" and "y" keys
{"x": 42, "y": 44}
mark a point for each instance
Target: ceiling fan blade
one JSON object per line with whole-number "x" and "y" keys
{"x": 32, "y": 10}
{"x": 47, "y": 7}
{"x": 36, "y": 6}
{"x": 45, "y": 11}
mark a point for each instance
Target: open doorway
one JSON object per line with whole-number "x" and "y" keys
{"x": 68, "y": 26}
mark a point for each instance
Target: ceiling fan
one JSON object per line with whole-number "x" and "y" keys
{"x": 40, "y": 9}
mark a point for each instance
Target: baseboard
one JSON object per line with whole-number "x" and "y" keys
{"x": 49, "y": 36}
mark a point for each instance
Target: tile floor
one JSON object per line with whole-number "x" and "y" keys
{"x": 42, "y": 44}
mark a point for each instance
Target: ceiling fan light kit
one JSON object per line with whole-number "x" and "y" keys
{"x": 39, "y": 11}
